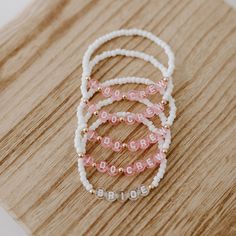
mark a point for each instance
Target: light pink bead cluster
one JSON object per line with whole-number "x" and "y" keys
{"x": 135, "y": 168}
{"x": 132, "y": 95}
{"x": 133, "y": 145}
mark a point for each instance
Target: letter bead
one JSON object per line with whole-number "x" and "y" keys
{"x": 106, "y": 92}
{"x": 93, "y": 84}
{"x": 130, "y": 119}
{"x": 117, "y": 95}
{"x": 103, "y": 116}
{"x": 114, "y": 119}
{"x": 133, "y": 146}
{"x": 139, "y": 166}
{"x": 151, "y": 89}
{"x": 140, "y": 117}
{"x": 91, "y": 135}
{"x": 144, "y": 191}
{"x": 88, "y": 160}
{"x": 106, "y": 142}
{"x": 153, "y": 138}
{"x": 110, "y": 196}
{"x": 150, "y": 163}
{"x": 133, "y": 95}
{"x": 122, "y": 196}
{"x": 100, "y": 193}
{"x": 133, "y": 195}
{"x": 117, "y": 146}
{"x": 112, "y": 170}
{"x": 102, "y": 166}
{"x": 144, "y": 143}
{"x": 159, "y": 157}
{"x": 129, "y": 170}
{"x": 149, "y": 113}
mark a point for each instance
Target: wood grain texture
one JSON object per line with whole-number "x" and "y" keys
{"x": 40, "y": 67}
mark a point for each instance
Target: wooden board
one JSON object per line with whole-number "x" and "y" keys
{"x": 40, "y": 68}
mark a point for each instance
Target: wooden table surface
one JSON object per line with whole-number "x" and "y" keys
{"x": 40, "y": 68}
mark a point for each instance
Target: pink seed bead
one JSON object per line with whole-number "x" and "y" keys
{"x": 106, "y": 142}
{"x": 144, "y": 143}
{"x": 130, "y": 119}
{"x": 112, "y": 170}
{"x": 91, "y": 135}
{"x": 133, "y": 146}
{"x": 114, "y": 119}
{"x": 88, "y": 160}
{"x": 92, "y": 108}
{"x": 117, "y": 95}
{"x": 129, "y": 170}
{"x": 104, "y": 116}
{"x": 93, "y": 84}
{"x": 153, "y": 138}
{"x": 133, "y": 95}
{"x": 140, "y": 117}
{"x": 102, "y": 166}
{"x": 150, "y": 112}
{"x": 107, "y": 92}
{"x": 117, "y": 146}
{"x": 139, "y": 166}
{"x": 151, "y": 89}
{"x": 150, "y": 163}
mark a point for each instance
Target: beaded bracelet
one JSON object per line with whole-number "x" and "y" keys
{"x": 142, "y": 190}
{"x": 150, "y": 162}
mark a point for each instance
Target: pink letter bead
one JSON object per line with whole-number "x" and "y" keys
{"x": 92, "y": 108}
{"x": 139, "y": 117}
{"x": 153, "y": 138}
{"x": 106, "y": 142}
{"x": 130, "y": 119}
{"x": 133, "y": 95}
{"x": 88, "y": 160}
{"x": 144, "y": 143}
{"x": 133, "y": 146}
{"x": 151, "y": 89}
{"x": 112, "y": 170}
{"x": 149, "y": 112}
{"x": 91, "y": 135}
{"x": 104, "y": 116}
{"x": 129, "y": 170}
{"x": 158, "y": 108}
{"x": 117, "y": 146}
{"x": 159, "y": 157}
{"x": 106, "y": 92}
{"x": 139, "y": 166}
{"x": 114, "y": 119}
{"x": 142, "y": 94}
{"x": 150, "y": 163}
{"x": 117, "y": 95}
{"x": 93, "y": 84}
{"x": 161, "y": 85}
{"x": 102, "y": 167}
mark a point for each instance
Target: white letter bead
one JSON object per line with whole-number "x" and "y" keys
{"x": 144, "y": 191}
{"x": 122, "y": 196}
{"x": 100, "y": 193}
{"x": 133, "y": 195}
{"x": 110, "y": 196}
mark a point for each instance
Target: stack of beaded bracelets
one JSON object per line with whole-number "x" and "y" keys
{"x": 157, "y": 136}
